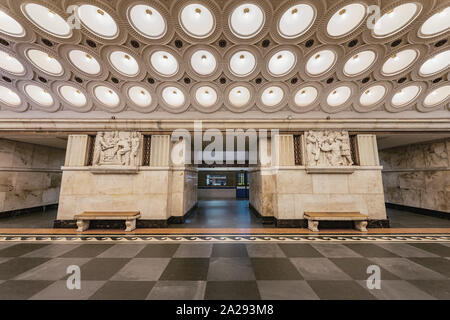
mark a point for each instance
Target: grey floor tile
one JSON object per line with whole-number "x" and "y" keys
{"x": 439, "y": 289}
{"x": 21, "y": 290}
{"x": 397, "y": 290}
{"x": 158, "y": 251}
{"x": 319, "y": 269}
{"x": 178, "y": 290}
{"x": 4, "y": 259}
{"x": 229, "y": 250}
{"x": 286, "y": 290}
{"x": 51, "y": 251}
{"x": 300, "y": 250}
{"x": 142, "y": 269}
{"x": 370, "y": 250}
{"x": 436, "y": 248}
{"x": 102, "y": 268}
{"x": 335, "y": 250}
{"x": 265, "y": 250}
{"x": 357, "y": 268}
{"x": 197, "y": 250}
{"x": 16, "y": 266}
{"x": 406, "y": 269}
{"x": 275, "y": 269}
{"x": 20, "y": 249}
{"x": 87, "y": 251}
{"x": 339, "y": 290}
{"x": 59, "y": 291}
{"x": 189, "y": 269}
{"x": 4, "y": 245}
{"x": 232, "y": 290}
{"x": 122, "y": 251}
{"x": 439, "y": 265}
{"x": 405, "y": 250}
{"x": 123, "y": 290}
{"x": 230, "y": 269}
{"x": 54, "y": 269}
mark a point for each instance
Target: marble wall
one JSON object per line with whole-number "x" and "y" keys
{"x": 30, "y": 175}
{"x": 418, "y": 175}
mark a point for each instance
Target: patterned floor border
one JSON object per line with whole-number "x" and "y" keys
{"x": 228, "y": 238}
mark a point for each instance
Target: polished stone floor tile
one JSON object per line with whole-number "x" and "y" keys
{"x": 339, "y": 290}
{"x": 102, "y": 268}
{"x": 198, "y": 250}
{"x": 58, "y": 291}
{"x": 232, "y": 290}
{"x": 142, "y": 269}
{"x": 229, "y": 250}
{"x": 406, "y": 269}
{"x": 87, "y": 251}
{"x": 397, "y": 290}
{"x": 20, "y": 289}
{"x": 16, "y": 266}
{"x": 370, "y": 250}
{"x": 274, "y": 269}
{"x": 178, "y": 290}
{"x": 123, "y": 290}
{"x": 230, "y": 269}
{"x": 334, "y": 250}
{"x": 54, "y": 269}
{"x": 300, "y": 250}
{"x": 439, "y": 289}
{"x": 51, "y": 251}
{"x": 186, "y": 269}
{"x": 439, "y": 265}
{"x": 4, "y": 245}
{"x": 122, "y": 251}
{"x": 318, "y": 269}
{"x": 285, "y": 290}
{"x": 264, "y": 250}
{"x": 436, "y": 248}
{"x": 20, "y": 249}
{"x": 158, "y": 251}
{"x": 4, "y": 259}
{"x": 357, "y": 268}
{"x": 405, "y": 250}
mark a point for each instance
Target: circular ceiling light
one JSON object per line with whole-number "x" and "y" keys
{"x": 359, "y": 62}
{"x": 47, "y": 20}
{"x": 239, "y": 96}
{"x": 320, "y": 62}
{"x": 339, "y": 96}
{"x": 346, "y": 19}
{"x": 399, "y": 62}
{"x": 147, "y": 21}
{"x": 9, "y": 97}
{"x": 405, "y": 95}
{"x": 10, "y": 63}
{"x": 272, "y": 96}
{"x": 281, "y": 63}
{"x": 140, "y": 96}
{"x": 173, "y": 97}
{"x": 435, "y": 64}
{"x": 437, "y": 96}
{"x": 45, "y": 62}
{"x": 305, "y": 96}
{"x": 296, "y": 20}
{"x": 84, "y": 61}
{"x": 124, "y": 63}
{"x": 107, "y": 96}
{"x": 39, "y": 95}
{"x": 246, "y": 20}
{"x": 10, "y": 26}
{"x": 206, "y": 96}
{"x": 197, "y": 21}
{"x": 436, "y": 24}
{"x": 98, "y": 21}
{"x": 203, "y": 62}
{"x": 73, "y": 96}
{"x": 164, "y": 63}
{"x": 395, "y": 19}
{"x": 372, "y": 95}
{"x": 242, "y": 63}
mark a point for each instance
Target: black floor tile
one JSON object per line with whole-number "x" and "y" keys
{"x": 439, "y": 289}
{"x": 229, "y": 250}
{"x": 232, "y": 290}
{"x": 87, "y": 251}
{"x": 439, "y": 265}
{"x": 275, "y": 269}
{"x": 123, "y": 290}
{"x": 299, "y": 250}
{"x": 435, "y": 248}
{"x": 102, "y": 268}
{"x": 356, "y": 268}
{"x": 370, "y": 250}
{"x": 21, "y": 289}
{"x": 186, "y": 269}
{"x": 16, "y": 266}
{"x": 158, "y": 251}
{"x": 340, "y": 290}
{"x": 21, "y": 249}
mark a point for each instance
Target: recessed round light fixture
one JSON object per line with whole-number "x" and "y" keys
{"x": 435, "y": 64}
{"x": 203, "y": 62}
{"x": 9, "y": 97}
{"x": 173, "y": 96}
{"x": 98, "y": 21}
{"x": 396, "y": 19}
{"x": 281, "y": 63}
{"x": 73, "y": 96}
{"x": 47, "y": 20}
{"x": 45, "y": 62}
{"x": 39, "y": 95}
{"x": 206, "y": 96}
{"x": 11, "y": 64}
{"x": 84, "y": 61}
{"x": 305, "y": 96}
{"x": 272, "y": 96}
{"x": 124, "y": 63}
{"x": 399, "y": 61}
{"x": 346, "y": 19}
{"x": 164, "y": 63}
{"x": 246, "y": 20}
{"x": 296, "y": 20}
{"x": 107, "y": 96}
{"x": 147, "y": 21}
{"x": 242, "y": 63}
{"x": 339, "y": 96}
{"x": 437, "y": 96}
{"x": 10, "y": 26}
{"x": 320, "y": 62}
{"x": 197, "y": 20}
{"x": 405, "y": 95}
{"x": 239, "y": 96}
{"x": 437, "y": 24}
{"x": 140, "y": 96}
{"x": 359, "y": 63}
{"x": 372, "y": 95}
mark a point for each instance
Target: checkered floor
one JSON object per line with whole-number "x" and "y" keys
{"x": 225, "y": 270}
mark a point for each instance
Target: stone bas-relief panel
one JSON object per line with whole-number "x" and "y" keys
{"x": 328, "y": 148}
{"x": 117, "y": 149}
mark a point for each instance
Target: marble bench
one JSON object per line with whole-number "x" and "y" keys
{"x": 130, "y": 218}
{"x": 313, "y": 218}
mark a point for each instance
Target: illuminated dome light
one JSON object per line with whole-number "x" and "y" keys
{"x": 173, "y": 97}
{"x": 47, "y": 20}
{"x": 98, "y": 21}
{"x": 372, "y": 95}
{"x": 206, "y": 96}
{"x": 359, "y": 63}
{"x": 239, "y": 96}
{"x": 84, "y": 61}
{"x": 124, "y": 63}
{"x": 405, "y": 96}
{"x": 281, "y": 63}
{"x": 147, "y": 21}
{"x": 107, "y": 96}
{"x": 242, "y": 63}
{"x": 435, "y": 64}
{"x": 39, "y": 95}
{"x": 197, "y": 21}
{"x": 73, "y": 96}
{"x": 164, "y": 63}
{"x": 10, "y": 63}
{"x": 45, "y": 62}
{"x": 320, "y": 62}
{"x": 272, "y": 96}
{"x": 305, "y": 96}
{"x": 346, "y": 19}
{"x": 9, "y": 97}
{"x": 399, "y": 62}
{"x": 140, "y": 96}
{"x": 10, "y": 26}
{"x": 395, "y": 20}
{"x": 203, "y": 62}
{"x": 437, "y": 96}
{"x": 436, "y": 24}
{"x": 296, "y": 20}
{"x": 339, "y": 96}
{"x": 246, "y": 20}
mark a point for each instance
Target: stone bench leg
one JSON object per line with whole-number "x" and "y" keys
{"x": 361, "y": 226}
{"x": 82, "y": 225}
{"x": 130, "y": 225}
{"x": 313, "y": 225}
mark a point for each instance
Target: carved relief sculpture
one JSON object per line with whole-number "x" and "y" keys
{"x": 117, "y": 148}
{"x": 328, "y": 148}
